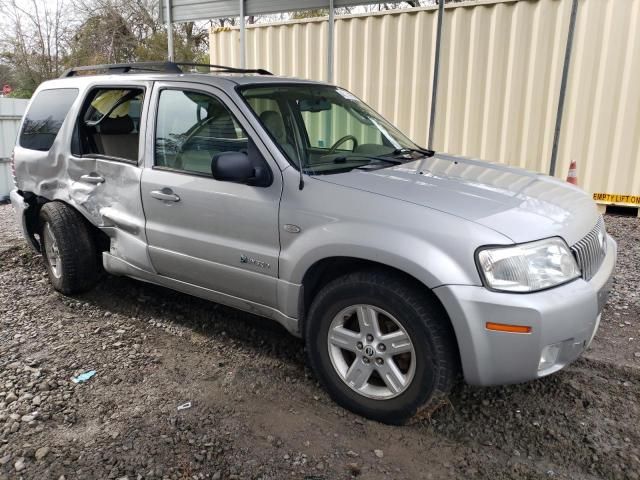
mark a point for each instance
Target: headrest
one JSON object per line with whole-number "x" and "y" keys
{"x": 116, "y": 126}
{"x": 222, "y": 127}
{"x": 272, "y": 120}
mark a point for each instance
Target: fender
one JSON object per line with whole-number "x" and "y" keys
{"x": 434, "y": 247}
{"x": 409, "y": 253}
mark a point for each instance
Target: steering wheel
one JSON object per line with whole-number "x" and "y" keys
{"x": 346, "y": 138}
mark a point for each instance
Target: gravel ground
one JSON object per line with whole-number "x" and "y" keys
{"x": 256, "y": 411}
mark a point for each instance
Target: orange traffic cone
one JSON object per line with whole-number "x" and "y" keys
{"x": 572, "y": 177}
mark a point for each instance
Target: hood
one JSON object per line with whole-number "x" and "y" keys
{"x": 517, "y": 203}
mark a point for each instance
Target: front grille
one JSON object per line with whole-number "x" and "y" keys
{"x": 591, "y": 250}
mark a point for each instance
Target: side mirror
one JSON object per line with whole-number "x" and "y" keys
{"x": 232, "y": 167}
{"x": 249, "y": 168}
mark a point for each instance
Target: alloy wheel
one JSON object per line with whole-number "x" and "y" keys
{"x": 53, "y": 253}
{"x": 371, "y": 351}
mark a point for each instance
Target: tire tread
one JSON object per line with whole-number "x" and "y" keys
{"x": 76, "y": 246}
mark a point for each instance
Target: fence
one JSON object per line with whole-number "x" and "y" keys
{"x": 11, "y": 111}
{"x": 501, "y": 71}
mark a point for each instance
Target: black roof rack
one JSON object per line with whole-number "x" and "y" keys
{"x": 158, "y": 67}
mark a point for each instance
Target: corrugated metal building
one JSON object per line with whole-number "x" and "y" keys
{"x": 501, "y": 71}
{"x": 11, "y": 111}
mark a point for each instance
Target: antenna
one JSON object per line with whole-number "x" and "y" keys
{"x": 301, "y": 184}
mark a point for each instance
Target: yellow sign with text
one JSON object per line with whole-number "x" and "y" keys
{"x": 617, "y": 199}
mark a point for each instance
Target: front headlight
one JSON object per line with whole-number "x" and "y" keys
{"x": 528, "y": 267}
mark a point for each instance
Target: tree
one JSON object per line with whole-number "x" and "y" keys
{"x": 313, "y": 13}
{"x": 103, "y": 38}
{"x": 190, "y": 44}
{"x": 33, "y": 39}
{"x": 6, "y": 75}
{"x": 39, "y": 39}
{"x": 135, "y": 33}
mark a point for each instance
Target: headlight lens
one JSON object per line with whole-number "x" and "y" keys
{"x": 528, "y": 267}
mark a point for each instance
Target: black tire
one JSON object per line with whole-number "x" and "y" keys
{"x": 423, "y": 319}
{"x": 78, "y": 259}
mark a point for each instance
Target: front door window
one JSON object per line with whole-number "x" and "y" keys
{"x": 191, "y": 128}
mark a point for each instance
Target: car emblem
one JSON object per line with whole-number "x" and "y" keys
{"x": 254, "y": 262}
{"x": 369, "y": 351}
{"x": 288, "y": 227}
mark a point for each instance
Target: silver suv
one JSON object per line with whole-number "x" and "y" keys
{"x": 400, "y": 268}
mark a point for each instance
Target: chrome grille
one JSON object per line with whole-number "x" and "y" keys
{"x": 591, "y": 250}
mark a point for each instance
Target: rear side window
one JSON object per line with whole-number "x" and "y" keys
{"x": 109, "y": 124}
{"x": 45, "y": 117}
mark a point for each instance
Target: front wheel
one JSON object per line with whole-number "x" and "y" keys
{"x": 381, "y": 346}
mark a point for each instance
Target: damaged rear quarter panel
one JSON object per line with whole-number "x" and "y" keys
{"x": 115, "y": 205}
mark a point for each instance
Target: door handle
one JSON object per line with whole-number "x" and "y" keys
{"x": 94, "y": 179}
{"x": 166, "y": 194}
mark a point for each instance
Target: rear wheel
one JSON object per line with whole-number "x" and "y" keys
{"x": 68, "y": 249}
{"x": 381, "y": 346}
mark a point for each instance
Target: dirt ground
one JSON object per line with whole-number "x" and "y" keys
{"x": 257, "y": 412}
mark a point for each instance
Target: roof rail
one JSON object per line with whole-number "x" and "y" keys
{"x": 158, "y": 67}
{"x": 224, "y": 69}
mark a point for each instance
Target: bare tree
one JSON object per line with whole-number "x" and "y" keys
{"x": 33, "y": 39}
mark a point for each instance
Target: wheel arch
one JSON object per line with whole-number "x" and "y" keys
{"x": 31, "y": 217}
{"x": 327, "y": 269}
{"x": 33, "y": 224}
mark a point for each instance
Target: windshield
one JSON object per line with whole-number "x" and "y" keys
{"x": 327, "y": 129}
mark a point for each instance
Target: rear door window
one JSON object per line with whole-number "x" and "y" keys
{"x": 109, "y": 124}
{"x": 45, "y": 118}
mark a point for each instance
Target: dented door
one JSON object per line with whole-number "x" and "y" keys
{"x": 106, "y": 179}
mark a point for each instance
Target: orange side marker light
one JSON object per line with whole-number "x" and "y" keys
{"x": 505, "y": 327}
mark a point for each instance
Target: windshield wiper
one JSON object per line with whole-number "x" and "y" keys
{"x": 405, "y": 150}
{"x": 356, "y": 158}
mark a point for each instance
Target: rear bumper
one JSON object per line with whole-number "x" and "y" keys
{"x": 20, "y": 207}
{"x": 566, "y": 317}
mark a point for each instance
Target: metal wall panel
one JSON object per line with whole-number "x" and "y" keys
{"x": 500, "y": 80}
{"x": 389, "y": 64}
{"x": 11, "y": 111}
{"x": 398, "y": 86}
{"x": 601, "y": 128}
{"x": 501, "y": 70}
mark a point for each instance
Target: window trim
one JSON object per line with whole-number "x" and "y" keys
{"x": 156, "y": 109}
{"x": 164, "y": 168}
{"x": 99, "y": 156}
{"x": 64, "y": 120}
{"x": 84, "y": 106}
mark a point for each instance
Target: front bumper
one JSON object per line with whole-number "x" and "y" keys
{"x": 567, "y": 316}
